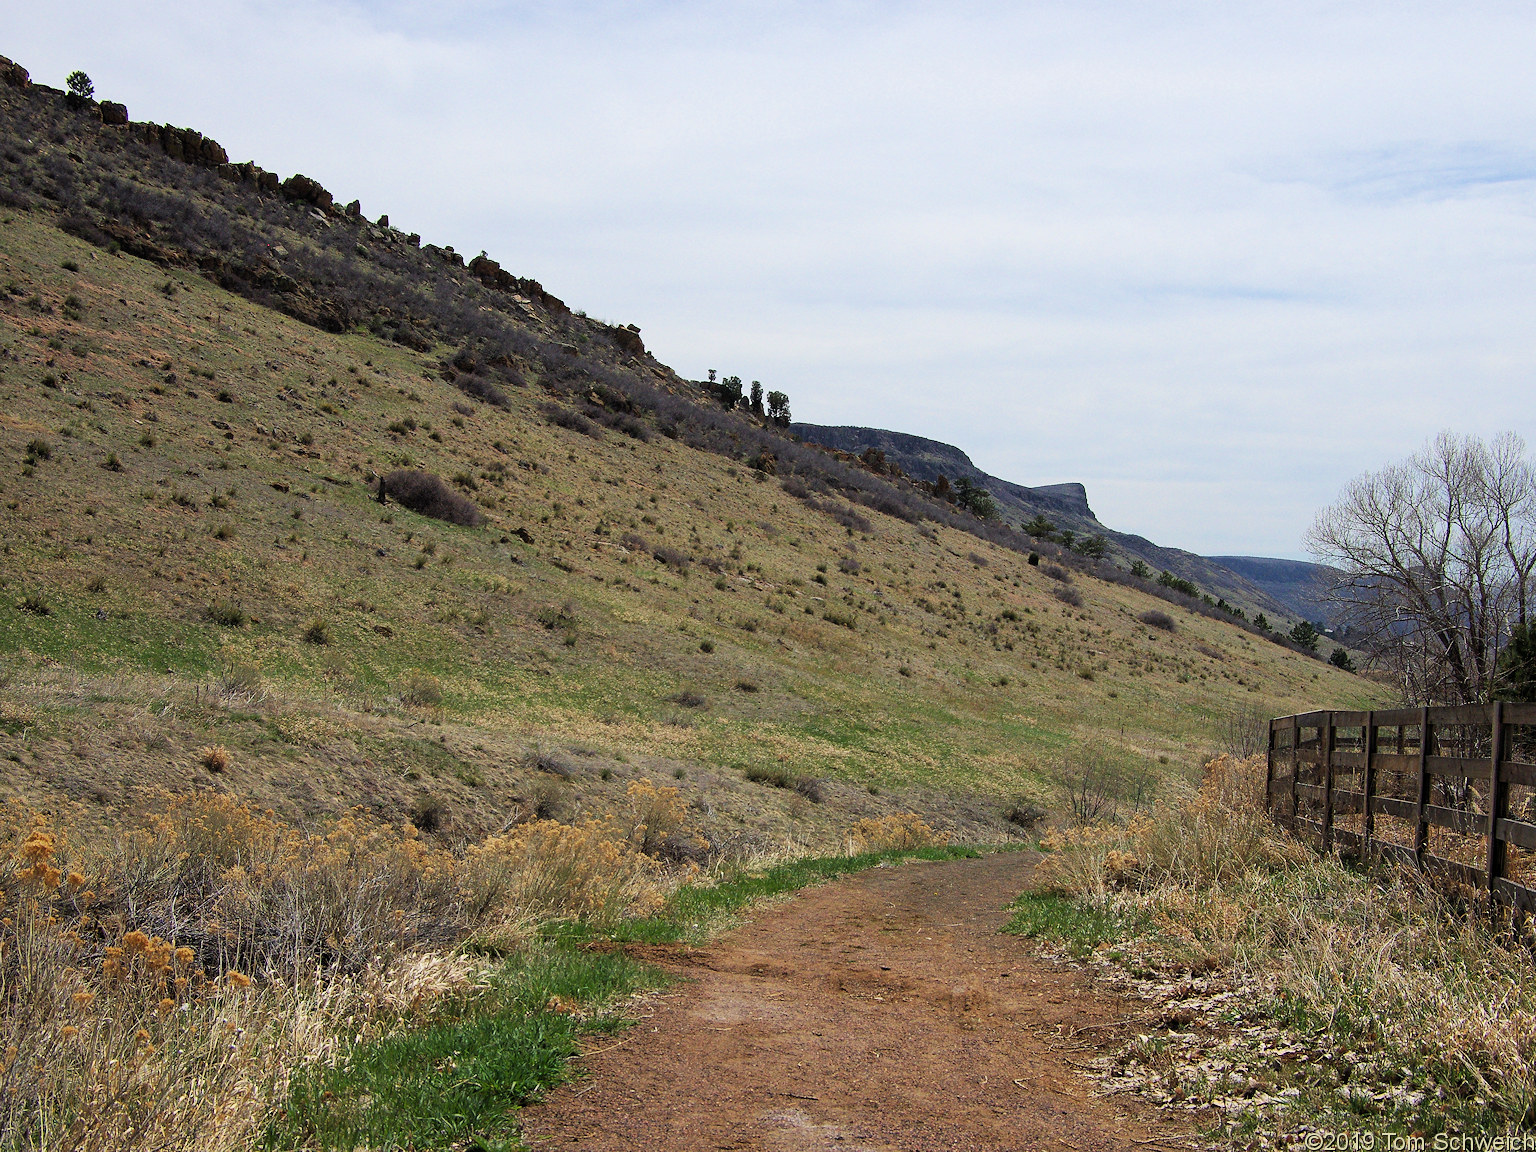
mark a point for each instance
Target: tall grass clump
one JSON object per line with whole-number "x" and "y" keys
{"x": 1410, "y": 1007}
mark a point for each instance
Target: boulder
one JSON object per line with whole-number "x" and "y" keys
{"x": 355, "y": 209}
{"x": 384, "y": 220}
{"x": 114, "y": 114}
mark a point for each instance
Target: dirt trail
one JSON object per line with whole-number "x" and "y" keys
{"x": 881, "y": 1012}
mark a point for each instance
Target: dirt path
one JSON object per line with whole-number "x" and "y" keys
{"x": 882, "y": 1012}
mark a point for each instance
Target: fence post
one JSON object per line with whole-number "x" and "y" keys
{"x": 1328, "y": 739}
{"x": 1269, "y": 772}
{"x": 1295, "y": 770}
{"x": 1497, "y": 850}
{"x": 1421, "y": 829}
{"x": 1368, "y": 745}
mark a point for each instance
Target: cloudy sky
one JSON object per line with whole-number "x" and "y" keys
{"x": 1211, "y": 260}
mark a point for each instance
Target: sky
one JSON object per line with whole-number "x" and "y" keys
{"x": 1210, "y": 260}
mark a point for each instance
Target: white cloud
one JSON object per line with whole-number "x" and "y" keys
{"x": 1209, "y": 261}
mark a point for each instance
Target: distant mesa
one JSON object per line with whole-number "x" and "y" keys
{"x": 1066, "y": 507}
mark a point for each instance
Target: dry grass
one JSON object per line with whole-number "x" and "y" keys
{"x": 1415, "y": 1011}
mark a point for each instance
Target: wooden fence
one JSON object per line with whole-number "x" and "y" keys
{"x": 1448, "y": 791}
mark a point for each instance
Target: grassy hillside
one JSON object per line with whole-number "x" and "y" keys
{"x": 194, "y": 557}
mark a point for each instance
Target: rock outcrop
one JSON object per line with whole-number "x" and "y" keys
{"x": 184, "y": 144}
{"x": 493, "y": 275}
{"x": 113, "y": 114}
{"x": 14, "y": 74}
{"x": 301, "y": 187}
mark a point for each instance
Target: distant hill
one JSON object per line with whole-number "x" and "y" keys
{"x": 1298, "y": 585}
{"x": 1066, "y": 506}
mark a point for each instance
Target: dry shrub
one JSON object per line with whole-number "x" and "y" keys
{"x": 425, "y": 493}
{"x": 546, "y": 869}
{"x": 114, "y": 1036}
{"x": 658, "y": 815}
{"x": 156, "y": 990}
{"x": 419, "y": 689}
{"x": 897, "y": 832}
{"x": 214, "y": 757}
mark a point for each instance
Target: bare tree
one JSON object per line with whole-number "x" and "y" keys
{"x": 1436, "y": 555}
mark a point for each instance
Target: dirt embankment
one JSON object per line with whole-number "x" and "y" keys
{"x": 880, "y": 1013}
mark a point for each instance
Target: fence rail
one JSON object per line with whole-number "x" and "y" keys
{"x": 1448, "y": 791}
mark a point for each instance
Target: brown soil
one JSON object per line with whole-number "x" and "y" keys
{"x": 882, "y": 1012}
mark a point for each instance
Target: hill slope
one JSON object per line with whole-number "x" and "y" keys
{"x": 203, "y": 378}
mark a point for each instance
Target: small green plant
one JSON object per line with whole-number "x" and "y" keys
{"x": 32, "y": 601}
{"x": 706, "y": 646}
{"x": 317, "y": 631}
{"x": 39, "y": 449}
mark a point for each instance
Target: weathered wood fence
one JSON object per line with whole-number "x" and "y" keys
{"x": 1449, "y": 791}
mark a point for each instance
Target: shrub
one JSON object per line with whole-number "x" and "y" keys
{"x": 241, "y": 680}
{"x": 426, "y": 494}
{"x": 689, "y": 699}
{"x": 557, "y": 869}
{"x": 657, "y": 815}
{"x": 849, "y": 565}
{"x": 481, "y": 389}
{"x": 1025, "y": 814}
{"x": 1057, "y": 572}
{"x": 32, "y": 601}
{"x": 421, "y": 690}
{"x": 565, "y": 418}
{"x": 538, "y": 760}
{"x": 774, "y": 776}
{"x": 1068, "y": 595}
{"x": 810, "y": 788}
{"x": 317, "y": 631}
{"x": 227, "y": 613}
{"x": 898, "y": 832}
{"x": 1153, "y": 618}
{"x": 214, "y": 757}
{"x": 39, "y": 449}
{"x": 706, "y": 646}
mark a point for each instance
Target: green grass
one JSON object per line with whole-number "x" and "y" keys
{"x": 1077, "y": 926}
{"x": 463, "y": 1075}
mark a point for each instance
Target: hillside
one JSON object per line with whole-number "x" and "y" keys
{"x": 1064, "y": 505}
{"x": 206, "y": 371}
